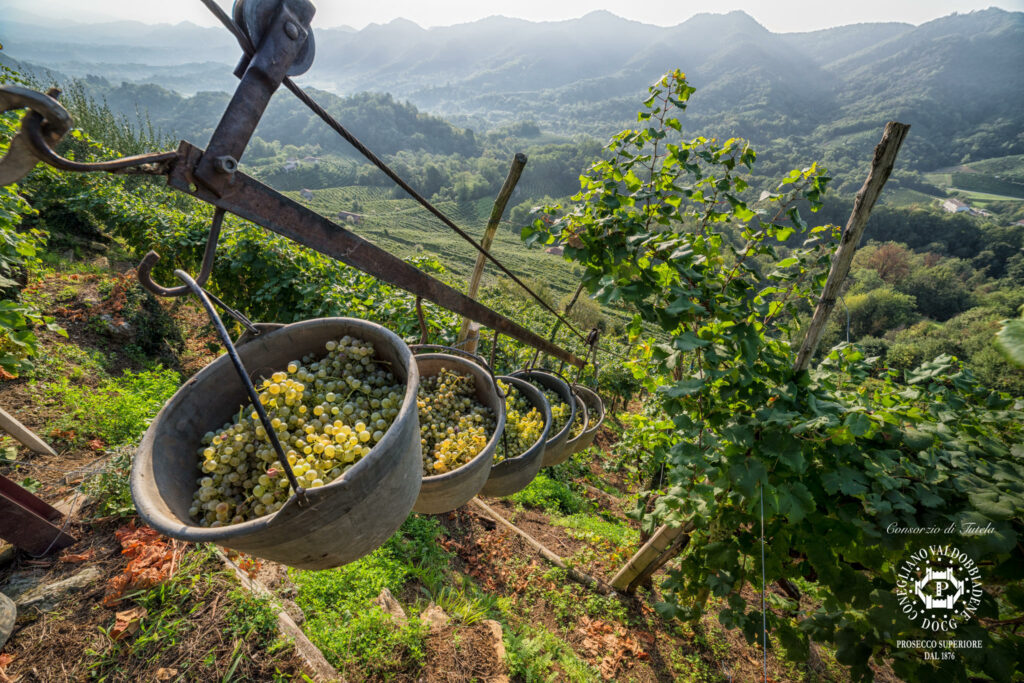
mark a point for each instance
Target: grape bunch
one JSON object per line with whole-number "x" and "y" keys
{"x": 327, "y": 414}
{"x": 523, "y": 424}
{"x": 577, "y": 425}
{"x": 559, "y": 408}
{"x": 454, "y": 426}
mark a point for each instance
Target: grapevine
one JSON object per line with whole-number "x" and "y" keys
{"x": 328, "y": 414}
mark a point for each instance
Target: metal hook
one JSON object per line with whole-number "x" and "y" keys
{"x": 193, "y": 288}
{"x": 494, "y": 347}
{"x": 144, "y": 271}
{"x": 21, "y": 156}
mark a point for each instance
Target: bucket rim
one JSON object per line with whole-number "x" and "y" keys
{"x": 573, "y": 440}
{"x": 545, "y": 413}
{"x": 563, "y": 389}
{"x": 596, "y": 400}
{"x": 175, "y": 528}
{"x": 499, "y": 425}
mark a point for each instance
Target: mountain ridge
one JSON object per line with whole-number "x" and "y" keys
{"x": 825, "y": 91}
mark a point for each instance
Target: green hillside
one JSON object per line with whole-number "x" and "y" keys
{"x": 403, "y": 227}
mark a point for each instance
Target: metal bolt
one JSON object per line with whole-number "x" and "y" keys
{"x": 291, "y": 30}
{"x": 225, "y": 164}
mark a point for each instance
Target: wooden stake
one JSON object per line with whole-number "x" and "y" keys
{"x": 661, "y": 547}
{"x": 518, "y": 163}
{"x": 574, "y": 574}
{"x": 23, "y": 435}
{"x": 881, "y": 168}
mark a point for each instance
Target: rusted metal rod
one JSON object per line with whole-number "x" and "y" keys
{"x": 256, "y": 202}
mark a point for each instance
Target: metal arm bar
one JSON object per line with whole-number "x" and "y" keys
{"x": 256, "y": 202}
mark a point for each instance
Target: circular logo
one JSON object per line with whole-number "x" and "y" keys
{"x": 938, "y": 587}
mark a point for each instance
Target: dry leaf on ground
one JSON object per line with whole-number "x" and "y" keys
{"x": 127, "y": 622}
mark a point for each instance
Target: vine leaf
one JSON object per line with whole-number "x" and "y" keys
{"x": 1011, "y": 340}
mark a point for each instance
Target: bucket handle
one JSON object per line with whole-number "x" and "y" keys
{"x": 556, "y": 373}
{"x": 243, "y": 375}
{"x": 472, "y": 356}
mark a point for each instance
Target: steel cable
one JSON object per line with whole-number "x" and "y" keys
{"x": 303, "y": 97}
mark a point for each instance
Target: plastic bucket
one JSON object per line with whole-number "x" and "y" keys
{"x": 515, "y": 474}
{"x": 556, "y": 449}
{"x": 595, "y": 411}
{"x": 345, "y": 519}
{"x": 451, "y": 490}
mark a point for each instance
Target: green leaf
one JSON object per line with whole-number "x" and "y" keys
{"x": 682, "y": 304}
{"x": 1011, "y": 340}
{"x": 688, "y": 341}
{"x": 991, "y": 504}
{"x": 859, "y": 424}
{"x": 845, "y": 480}
{"x": 783, "y": 233}
{"x": 683, "y": 387}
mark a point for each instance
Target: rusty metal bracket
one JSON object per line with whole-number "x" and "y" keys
{"x": 277, "y": 40}
{"x": 144, "y": 271}
{"x": 256, "y": 202}
{"x": 281, "y": 44}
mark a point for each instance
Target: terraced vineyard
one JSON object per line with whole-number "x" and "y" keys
{"x": 406, "y": 229}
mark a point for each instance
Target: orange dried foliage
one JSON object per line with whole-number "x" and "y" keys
{"x": 75, "y": 558}
{"x": 614, "y": 642}
{"x": 152, "y": 559}
{"x": 5, "y": 661}
{"x": 127, "y": 622}
{"x": 248, "y": 564}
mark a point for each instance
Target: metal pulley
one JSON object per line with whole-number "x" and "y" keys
{"x": 255, "y": 17}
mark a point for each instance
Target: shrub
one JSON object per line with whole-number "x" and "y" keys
{"x": 549, "y": 495}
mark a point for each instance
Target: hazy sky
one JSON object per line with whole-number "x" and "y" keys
{"x": 776, "y": 15}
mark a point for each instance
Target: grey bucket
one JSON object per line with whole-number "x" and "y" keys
{"x": 345, "y": 519}
{"x": 595, "y": 413}
{"x": 556, "y": 449}
{"x": 515, "y": 474}
{"x": 451, "y": 490}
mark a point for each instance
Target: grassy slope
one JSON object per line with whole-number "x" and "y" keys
{"x": 91, "y": 396}
{"x": 404, "y": 228}
{"x": 201, "y": 626}
{"x": 998, "y": 179}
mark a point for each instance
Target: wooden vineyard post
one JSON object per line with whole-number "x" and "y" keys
{"x": 587, "y": 580}
{"x": 518, "y": 162}
{"x": 881, "y": 168}
{"x": 667, "y": 542}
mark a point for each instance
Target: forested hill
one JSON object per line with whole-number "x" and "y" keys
{"x": 820, "y": 95}
{"x": 385, "y": 124}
